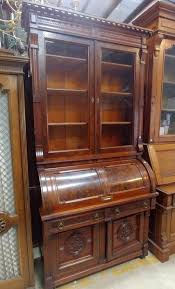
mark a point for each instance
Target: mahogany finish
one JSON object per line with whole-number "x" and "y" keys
{"x": 159, "y": 123}
{"x": 97, "y": 192}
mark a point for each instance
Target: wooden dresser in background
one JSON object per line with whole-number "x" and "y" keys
{"x": 159, "y": 122}
{"x": 97, "y": 191}
{"x": 16, "y": 263}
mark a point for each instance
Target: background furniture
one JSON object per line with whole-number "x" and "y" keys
{"x": 97, "y": 192}
{"x": 159, "y": 123}
{"x": 16, "y": 264}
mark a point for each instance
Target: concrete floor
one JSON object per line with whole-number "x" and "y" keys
{"x": 148, "y": 273}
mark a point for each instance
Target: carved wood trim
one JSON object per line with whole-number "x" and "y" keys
{"x": 55, "y": 12}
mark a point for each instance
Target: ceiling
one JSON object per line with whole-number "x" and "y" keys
{"x": 115, "y": 10}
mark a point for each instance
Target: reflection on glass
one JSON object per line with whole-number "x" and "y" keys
{"x": 67, "y": 95}
{"x": 167, "y": 123}
{"x": 117, "y": 69}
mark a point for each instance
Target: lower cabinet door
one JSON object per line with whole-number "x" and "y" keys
{"x": 125, "y": 236}
{"x": 77, "y": 250}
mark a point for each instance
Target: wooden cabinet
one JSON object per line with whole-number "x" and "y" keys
{"x": 100, "y": 220}
{"x": 159, "y": 123}
{"x": 162, "y": 225}
{"x": 16, "y": 264}
{"x": 78, "y": 73}
{"x": 160, "y": 97}
{"x": 97, "y": 191}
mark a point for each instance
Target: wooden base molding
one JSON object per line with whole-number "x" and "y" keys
{"x": 161, "y": 254}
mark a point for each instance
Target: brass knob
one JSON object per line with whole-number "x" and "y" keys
{"x": 96, "y": 216}
{"x": 117, "y": 211}
{"x": 146, "y": 204}
{"x": 60, "y": 225}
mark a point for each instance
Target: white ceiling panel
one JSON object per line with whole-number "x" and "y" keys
{"x": 124, "y": 9}
{"x": 68, "y": 3}
{"x": 115, "y": 10}
{"x": 99, "y": 7}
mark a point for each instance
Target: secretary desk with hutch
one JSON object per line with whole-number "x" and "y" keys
{"x": 97, "y": 191}
{"x": 159, "y": 128}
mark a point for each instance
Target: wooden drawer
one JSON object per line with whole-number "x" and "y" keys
{"x": 72, "y": 222}
{"x": 126, "y": 210}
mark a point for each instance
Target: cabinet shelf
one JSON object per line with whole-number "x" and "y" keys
{"x": 170, "y": 55}
{"x": 116, "y": 122}
{"x": 168, "y": 109}
{"x": 66, "y": 91}
{"x": 66, "y": 123}
{"x": 117, "y": 66}
{"x": 66, "y": 59}
{"x": 116, "y": 93}
{"x": 169, "y": 82}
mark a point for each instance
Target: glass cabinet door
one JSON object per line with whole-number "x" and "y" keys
{"x": 116, "y": 98}
{"x": 69, "y": 95}
{"x": 167, "y": 121}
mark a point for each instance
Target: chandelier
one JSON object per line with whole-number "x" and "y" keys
{"x": 74, "y": 4}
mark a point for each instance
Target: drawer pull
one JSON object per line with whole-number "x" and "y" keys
{"x": 146, "y": 204}
{"x": 60, "y": 225}
{"x": 96, "y": 217}
{"x": 117, "y": 211}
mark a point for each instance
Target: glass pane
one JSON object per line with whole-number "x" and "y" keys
{"x": 67, "y": 95}
{"x": 116, "y": 98}
{"x": 9, "y": 258}
{"x": 167, "y": 123}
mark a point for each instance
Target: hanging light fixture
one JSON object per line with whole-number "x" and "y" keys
{"x": 75, "y": 4}
{"x": 60, "y": 3}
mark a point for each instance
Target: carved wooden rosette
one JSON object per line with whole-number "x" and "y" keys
{"x": 125, "y": 231}
{"x": 75, "y": 244}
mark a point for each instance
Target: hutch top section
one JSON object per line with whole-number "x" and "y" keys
{"x": 160, "y": 16}
{"x": 88, "y": 81}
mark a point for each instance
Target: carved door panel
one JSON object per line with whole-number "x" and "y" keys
{"x": 124, "y": 236}
{"x": 14, "y": 261}
{"x": 77, "y": 250}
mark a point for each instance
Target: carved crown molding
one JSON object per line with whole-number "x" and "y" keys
{"x": 53, "y": 12}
